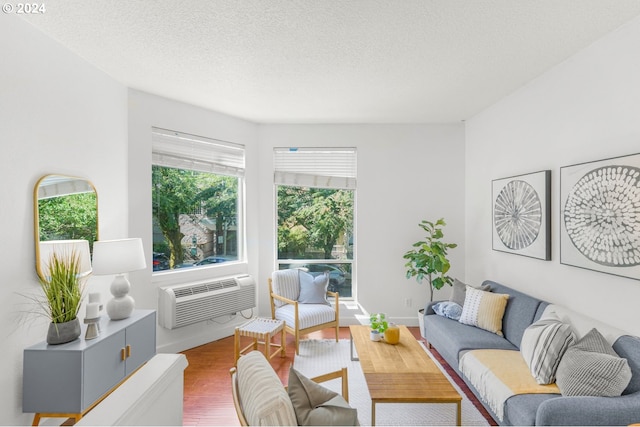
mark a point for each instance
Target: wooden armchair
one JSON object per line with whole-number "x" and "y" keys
{"x": 260, "y": 398}
{"x": 300, "y": 318}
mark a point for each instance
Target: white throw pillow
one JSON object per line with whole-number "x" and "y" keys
{"x": 543, "y": 344}
{"x": 313, "y": 290}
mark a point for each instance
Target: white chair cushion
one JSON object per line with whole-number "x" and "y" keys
{"x": 286, "y": 284}
{"x": 264, "y": 400}
{"x": 309, "y": 314}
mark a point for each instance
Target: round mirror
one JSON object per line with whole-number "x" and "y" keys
{"x": 65, "y": 208}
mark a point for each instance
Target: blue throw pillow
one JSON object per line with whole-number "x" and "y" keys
{"x": 448, "y": 309}
{"x": 313, "y": 290}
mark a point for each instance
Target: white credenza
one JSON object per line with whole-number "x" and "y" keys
{"x": 153, "y": 396}
{"x": 68, "y": 380}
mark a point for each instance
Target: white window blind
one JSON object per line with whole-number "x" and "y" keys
{"x": 183, "y": 151}
{"x": 316, "y": 167}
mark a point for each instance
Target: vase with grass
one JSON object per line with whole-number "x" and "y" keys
{"x": 63, "y": 286}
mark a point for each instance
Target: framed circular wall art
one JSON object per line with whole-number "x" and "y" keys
{"x": 600, "y": 216}
{"x": 521, "y": 214}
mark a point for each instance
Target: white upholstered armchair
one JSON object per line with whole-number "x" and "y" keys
{"x": 300, "y": 299}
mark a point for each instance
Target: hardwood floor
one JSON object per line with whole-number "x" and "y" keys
{"x": 207, "y": 384}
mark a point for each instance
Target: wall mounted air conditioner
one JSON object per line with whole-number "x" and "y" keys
{"x": 182, "y": 305}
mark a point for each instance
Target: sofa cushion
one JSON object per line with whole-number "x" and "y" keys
{"x": 484, "y": 310}
{"x": 592, "y": 368}
{"x": 543, "y": 344}
{"x": 451, "y": 338}
{"x": 459, "y": 291}
{"x": 263, "y": 398}
{"x": 521, "y": 409}
{"x": 316, "y": 405}
{"x": 308, "y": 314}
{"x": 629, "y": 347}
{"x": 521, "y": 311}
{"x": 313, "y": 289}
{"x": 499, "y": 374}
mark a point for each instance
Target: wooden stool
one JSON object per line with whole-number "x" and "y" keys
{"x": 261, "y": 330}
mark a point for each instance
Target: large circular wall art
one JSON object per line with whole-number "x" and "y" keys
{"x": 521, "y": 217}
{"x": 602, "y": 215}
{"x": 517, "y": 215}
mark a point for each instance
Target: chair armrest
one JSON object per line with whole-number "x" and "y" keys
{"x": 588, "y": 410}
{"x": 236, "y": 396}
{"x": 342, "y": 373}
{"x": 336, "y": 295}
{"x": 283, "y": 299}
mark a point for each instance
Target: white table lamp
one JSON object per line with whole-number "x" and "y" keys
{"x": 118, "y": 257}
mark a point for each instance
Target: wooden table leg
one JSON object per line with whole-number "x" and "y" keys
{"x": 354, "y": 359}
{"x": 36, "y": 420}
{"x": 373, "y": 412}
{"x": 459, "y": 414}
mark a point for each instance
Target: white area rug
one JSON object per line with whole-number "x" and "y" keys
{"x": 321, "y": 356}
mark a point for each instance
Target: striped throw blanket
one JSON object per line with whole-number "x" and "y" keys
{"x": 500, "y": 374}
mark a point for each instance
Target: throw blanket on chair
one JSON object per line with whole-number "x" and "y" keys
{"x": 500, "y": 374}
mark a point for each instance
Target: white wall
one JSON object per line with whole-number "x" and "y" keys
{"x": 583, "y": 110}
{"x": 58, "y": 115}
{"x": 145, "y": 112}
{"x": 406, "y": 173}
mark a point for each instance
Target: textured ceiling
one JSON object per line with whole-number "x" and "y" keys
{"x": 331, "y": 61}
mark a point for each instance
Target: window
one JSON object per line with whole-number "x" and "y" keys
{"x": 197, "y": 188}
{"x": 315, "y": 190}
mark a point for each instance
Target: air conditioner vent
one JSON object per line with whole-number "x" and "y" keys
{"x": 222, "y": 284}
{"x": 183, "y": 305}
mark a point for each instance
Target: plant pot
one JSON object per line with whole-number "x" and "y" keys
{"x": 375, "y": 335}
{"x": 421, "y": 322}
{"x": 60, "y": 333}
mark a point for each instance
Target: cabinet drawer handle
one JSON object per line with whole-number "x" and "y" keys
{"x": 123, "y": 355}
{"x": 128, "y": 351}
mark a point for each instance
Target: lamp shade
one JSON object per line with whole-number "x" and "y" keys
{"x": 66, "y": 248}
{"x": 118, "y": 256}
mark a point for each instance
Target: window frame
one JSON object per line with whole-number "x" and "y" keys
{"x": 316, "y": 173}
{"x": 239, "y": 266}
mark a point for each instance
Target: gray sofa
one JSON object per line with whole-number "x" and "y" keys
{"x": 451, "y": 339}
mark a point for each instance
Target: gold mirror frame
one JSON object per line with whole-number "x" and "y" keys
{"x": 54, "y": 186}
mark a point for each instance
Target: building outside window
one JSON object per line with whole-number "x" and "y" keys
{"x": 315, "y": 192}
{"x": 197, "y": 186}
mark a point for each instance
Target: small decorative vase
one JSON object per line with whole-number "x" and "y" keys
{"x": 375, "y": 335}
{"x": 60, "y": 333}
{"x": 392, "y": 334}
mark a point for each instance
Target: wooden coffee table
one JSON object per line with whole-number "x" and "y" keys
{"x": 401, "y": 373}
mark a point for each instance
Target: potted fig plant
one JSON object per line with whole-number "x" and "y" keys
{"x": 428, "y": 260}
